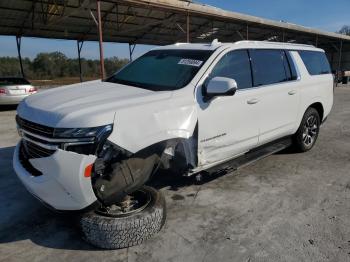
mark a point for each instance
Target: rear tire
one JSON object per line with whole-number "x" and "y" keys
{"x": 114, "y": 232}
{"x": 307, "y": 134}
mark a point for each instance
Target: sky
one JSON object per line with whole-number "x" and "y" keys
{"x": 321, "y": 14}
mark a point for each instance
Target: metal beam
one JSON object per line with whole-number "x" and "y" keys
{"x": 18, "y": 43}
{"x": 100, "y": 38}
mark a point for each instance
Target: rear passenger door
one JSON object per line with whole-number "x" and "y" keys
{"x": 278, "y": 91}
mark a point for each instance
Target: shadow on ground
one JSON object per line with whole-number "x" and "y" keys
{"x": 24, "y": 217}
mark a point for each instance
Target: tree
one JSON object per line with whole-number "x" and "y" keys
{"x": 57, "y": 65}
{"x": 345, "y": 30}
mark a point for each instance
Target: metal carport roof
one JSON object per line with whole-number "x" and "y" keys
{"x": 156, "y": 22}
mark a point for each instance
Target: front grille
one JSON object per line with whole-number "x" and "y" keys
{"x": 24, "y": 159}
{"x": 34, "y": 127}
{"x": 39, "y": 141}
{"x": 31, "y": 143}
{"x": 35, "y": 151}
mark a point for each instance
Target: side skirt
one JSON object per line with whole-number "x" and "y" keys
{"x": 250, "y": 157}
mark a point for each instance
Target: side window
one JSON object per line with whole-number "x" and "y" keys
{"x": 315, "y": 62}
{"x": 269, "y": 67}
{"x": 235, "y": 65}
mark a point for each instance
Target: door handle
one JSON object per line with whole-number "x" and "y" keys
{"x": 253, "y": 101}
{"x": 292, "y": 92}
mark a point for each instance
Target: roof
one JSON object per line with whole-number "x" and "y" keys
{"x": 239, "y": 44}
{"x": 157, "y": 22}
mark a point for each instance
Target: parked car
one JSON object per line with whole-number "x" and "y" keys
{"x": 190, "y": 108}
{"x": 14, "y": 89}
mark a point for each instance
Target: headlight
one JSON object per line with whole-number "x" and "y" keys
{"x": 97, "y": 132}
{"x": 87, "y": 140}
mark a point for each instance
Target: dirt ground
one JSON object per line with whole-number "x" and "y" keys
{"x": 287, "y": 207}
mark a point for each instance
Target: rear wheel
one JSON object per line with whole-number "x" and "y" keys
{"x": 137, "y": 218}
{"x": 307, "y": 134}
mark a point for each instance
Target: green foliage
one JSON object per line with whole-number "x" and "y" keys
{"x": 345, "y": 30}
{"x": 57, "y": 65}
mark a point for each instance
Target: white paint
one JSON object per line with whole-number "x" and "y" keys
{"x": 62, "y": 185}
{"x": 228, "y": 126}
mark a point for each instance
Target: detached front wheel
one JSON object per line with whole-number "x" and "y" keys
{"x": 141, "y": 215}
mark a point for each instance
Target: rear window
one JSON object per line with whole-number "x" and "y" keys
{"x": 13, "y": 81}
{"x": 316, "y": 62}
{"x": 269, "y": 67}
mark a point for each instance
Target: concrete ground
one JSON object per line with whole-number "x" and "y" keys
{"x": 287, "y": 207}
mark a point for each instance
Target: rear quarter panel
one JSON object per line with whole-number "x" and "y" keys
{"x": 318, "y": 88}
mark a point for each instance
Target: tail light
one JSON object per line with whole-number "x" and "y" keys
{"x": 32, "y": 90}
{"x": 2, "y": 91}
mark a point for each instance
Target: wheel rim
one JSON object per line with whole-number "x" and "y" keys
{"x": 133, "y": 203}
{"x": 310, "y": 131}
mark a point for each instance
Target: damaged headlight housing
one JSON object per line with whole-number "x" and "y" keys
{"x": 99, "y": 131}
{"x": 84, "y": 140}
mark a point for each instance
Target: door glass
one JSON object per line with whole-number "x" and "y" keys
{"x": 269, "y": 67}
{"x": 235, "y": 65}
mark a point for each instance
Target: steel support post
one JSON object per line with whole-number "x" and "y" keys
{"x": 340, "y": 58}
{"x": 131, "y": 50}
{"x": 80, "y": 46}
{"x": 188, "y": 28}
{"x": 100, "y": 34}
{"x": 247, "y": 32}
{"x": 18, "y": 42}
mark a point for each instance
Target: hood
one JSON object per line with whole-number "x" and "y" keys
{"x": 86, "y": 104}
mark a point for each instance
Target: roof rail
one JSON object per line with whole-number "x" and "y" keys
{"x": 274, "y": 43}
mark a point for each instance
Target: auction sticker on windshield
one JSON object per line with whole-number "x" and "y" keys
{"x": 190, "y": 62}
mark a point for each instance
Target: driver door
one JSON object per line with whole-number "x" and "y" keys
{"x": 228, "y": 125}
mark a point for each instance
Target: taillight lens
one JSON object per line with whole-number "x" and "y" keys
{"x": 32, "y": 90}
{"x": 2, "y": 91}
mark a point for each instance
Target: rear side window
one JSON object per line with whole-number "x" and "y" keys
{"x": 269, "y": 67}
{"x": 235, "y": 65}
{"x": 315, "y": 62}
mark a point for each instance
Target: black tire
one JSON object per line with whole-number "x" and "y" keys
{"x": 125, "y": 231}
{"x": 307, "y": 134}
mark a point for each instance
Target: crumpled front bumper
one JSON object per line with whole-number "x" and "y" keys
{"x": 62, "y": 184}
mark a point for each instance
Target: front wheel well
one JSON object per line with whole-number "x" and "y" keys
{"x": 318, "y": 106}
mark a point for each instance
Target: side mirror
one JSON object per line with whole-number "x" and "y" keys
{"x": 219, "y": 86}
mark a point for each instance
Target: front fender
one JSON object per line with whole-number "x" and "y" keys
{"x": 139, "y": 127}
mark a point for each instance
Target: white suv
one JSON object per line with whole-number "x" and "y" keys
{"x": 185, "y": 107}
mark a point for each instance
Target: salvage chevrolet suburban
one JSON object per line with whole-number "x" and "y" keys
{"x": 191, "y": 108}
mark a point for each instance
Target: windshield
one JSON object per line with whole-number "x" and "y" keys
{"x": 13, "y": 81}
{"x": 162, "y": 70}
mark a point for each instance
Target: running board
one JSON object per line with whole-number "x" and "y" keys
{"x": 252, "y": 156}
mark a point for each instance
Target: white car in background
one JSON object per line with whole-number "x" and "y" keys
{"x": 190, "y": 108}
{"x": 14, "y": 89}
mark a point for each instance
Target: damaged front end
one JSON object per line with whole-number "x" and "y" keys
{"x": 69, "y": 169}
{"x": 118, "y": 173}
